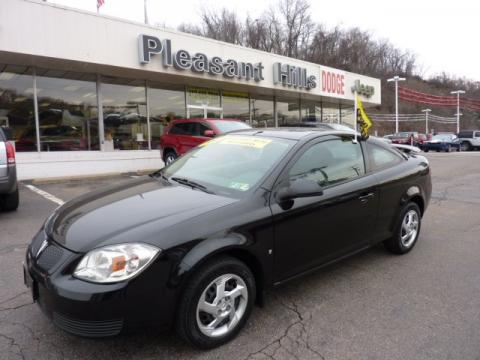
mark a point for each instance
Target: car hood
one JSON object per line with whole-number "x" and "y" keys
{"x": 130, "y": 211}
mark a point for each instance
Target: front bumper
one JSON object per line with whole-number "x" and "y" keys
{"x": 96, "y": 310}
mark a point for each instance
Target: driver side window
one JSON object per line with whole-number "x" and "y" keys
{"x": 330, "y": 162}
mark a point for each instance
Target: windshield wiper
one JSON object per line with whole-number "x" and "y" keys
{"x": 192, "y": 184}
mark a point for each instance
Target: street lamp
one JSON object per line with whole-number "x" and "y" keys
{"x": 396, "y": 79}
{"x": 458, "y": 92}
{"x": 426, "y": 111}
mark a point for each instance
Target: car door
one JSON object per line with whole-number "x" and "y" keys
{"x": 186, "y": 136}
{"x": 314, "y": 230}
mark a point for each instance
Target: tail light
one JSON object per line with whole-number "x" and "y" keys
{"x": 10, "y": 153}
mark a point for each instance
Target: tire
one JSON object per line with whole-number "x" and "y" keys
{"x": 425, "y": 150}
{"x": 396, "y": 244}
{"x": 169, "y": 157}
{"x": 448, "y": 148}
{"x": 466, "y": 146}
{"x": 191, "y": 323}
{"x": 10, "y": 201}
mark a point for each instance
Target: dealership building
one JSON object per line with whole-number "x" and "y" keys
{"x": 90, "y": 94}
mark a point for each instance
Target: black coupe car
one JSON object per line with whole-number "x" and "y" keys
{"x": 195, "y": 245}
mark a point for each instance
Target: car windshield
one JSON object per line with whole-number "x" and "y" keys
{"x": 225, "y": 125}
{"x": 230, "y": 164}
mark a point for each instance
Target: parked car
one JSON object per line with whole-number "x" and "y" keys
{"x": 412, "y": 138}
{"x": 195, "y": 245}
{"x": 184, "y": 134}
{"x": 442, "y": 142}
{"x": 9, "y": 198}
{"x": 469, "y": 139}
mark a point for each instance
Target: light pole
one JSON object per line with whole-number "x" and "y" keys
{"x": 426, "y": 111}
{"x": 458, "y": 92}
{"x": 396, "y": 79}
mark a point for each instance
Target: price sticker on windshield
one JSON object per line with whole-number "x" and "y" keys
{"x": 245, "y": 141}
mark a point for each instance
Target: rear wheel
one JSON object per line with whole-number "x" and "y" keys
{"x": 169, "y": 157}
{"x": 216, "y": 303}
{"x": 466, "y": 146}
{"x": 10, "y": 201}
{"x": 407, "y": 230}
{"x": 448, "y": 148}
{"x": 425, "y": 150}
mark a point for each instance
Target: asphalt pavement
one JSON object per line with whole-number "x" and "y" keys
{"x": 424, "y": 305}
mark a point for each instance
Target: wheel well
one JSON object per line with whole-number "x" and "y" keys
{"x": 254, "y": 265}
{"x": 417, "y": 199}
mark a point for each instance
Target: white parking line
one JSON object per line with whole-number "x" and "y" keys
{"x": 46, "y": 195}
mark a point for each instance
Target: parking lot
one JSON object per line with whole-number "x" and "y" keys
{"x": 424, "y": 305}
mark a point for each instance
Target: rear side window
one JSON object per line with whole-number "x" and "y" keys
{"x": 477, "y": 134}
{"x": 465, "y": 134}
{"x": 330, "y": 162}
{"x": 381, "y": 157}
{"x": 183, "y": 129}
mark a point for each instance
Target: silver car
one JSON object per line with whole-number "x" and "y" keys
{"x": 8, "y": 175}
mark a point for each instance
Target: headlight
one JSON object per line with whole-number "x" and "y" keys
{"x": 115, "y": 263}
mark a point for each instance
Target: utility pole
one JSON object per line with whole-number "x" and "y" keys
{"x": 396, "y": 79}
{"x": 426, "y": 111}
{"x": 458, "y": 92}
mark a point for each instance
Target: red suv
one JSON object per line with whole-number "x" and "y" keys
{"x": 184, "y": 134}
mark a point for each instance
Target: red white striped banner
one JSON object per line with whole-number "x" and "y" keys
{"x": 100, "y": 3}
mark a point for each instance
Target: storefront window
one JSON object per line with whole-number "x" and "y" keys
{"x": 347, "y": 116}
{"x": 165, "y": 105}
{"x": 67, "y": 111}
{"x": 261, "y": 112}
{"x": 311, "y": 111}
{"x": 16, "y": 106}
{"x": 124, "y": 114}
{"x": 235, "y": 105}
{"x": 288, "y": 112}
{"x": 201, "y": 100}
{"x": 331, "y": 113}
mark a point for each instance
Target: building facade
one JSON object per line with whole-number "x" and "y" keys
{"x": 89, "y": 94}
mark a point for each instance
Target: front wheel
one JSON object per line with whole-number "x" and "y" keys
{"x": 465, "y": 146}
{"x": 216, "y": 303}
{"x": 407, "y": 230}
{"x": 169, "y": 157}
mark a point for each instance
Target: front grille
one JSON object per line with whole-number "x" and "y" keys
{"x": 85, "y": 328}
{"x": 49, "y": 257}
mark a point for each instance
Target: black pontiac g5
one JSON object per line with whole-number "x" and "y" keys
{"x": 194, "y": 245}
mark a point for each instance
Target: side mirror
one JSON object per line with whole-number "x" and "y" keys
{"x": 208, "y": 133}
{"x": 299, "y": 188}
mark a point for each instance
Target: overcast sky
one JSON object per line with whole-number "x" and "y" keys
{"x": 442, "y": 33}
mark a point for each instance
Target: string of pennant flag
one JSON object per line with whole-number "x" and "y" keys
{"x": 438, "y": 100}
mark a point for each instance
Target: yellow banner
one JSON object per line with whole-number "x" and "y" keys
{"x": 363, "y": 119}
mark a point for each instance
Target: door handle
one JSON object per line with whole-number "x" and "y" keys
{"x": 364, "y": 198}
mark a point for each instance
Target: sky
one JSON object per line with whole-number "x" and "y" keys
{"x": 442, "y": 34}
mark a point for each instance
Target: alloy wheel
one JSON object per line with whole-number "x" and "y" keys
{"x": 222, "y": 305}
{"x": 409, "y": 228}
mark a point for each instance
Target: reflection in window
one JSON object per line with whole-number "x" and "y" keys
{"x": 330, "y": 113}
{"x": 16, "y": 106}
{"x": 261, "y": 113}
{"x": 203, "y": 96}
{"x": 330, "y": 162}
{"x": 124, "y": 115}
{"x": 67, "y": 111}
{"x": 311, "y": 111}
{"x": 288, "y": 112}
{"x": 235, "y": 105}
{"x": 165, "y": 105}
{"x": 347, "y": 117}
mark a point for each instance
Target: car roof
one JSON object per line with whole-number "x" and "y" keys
{"x": 293, "y": 133}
